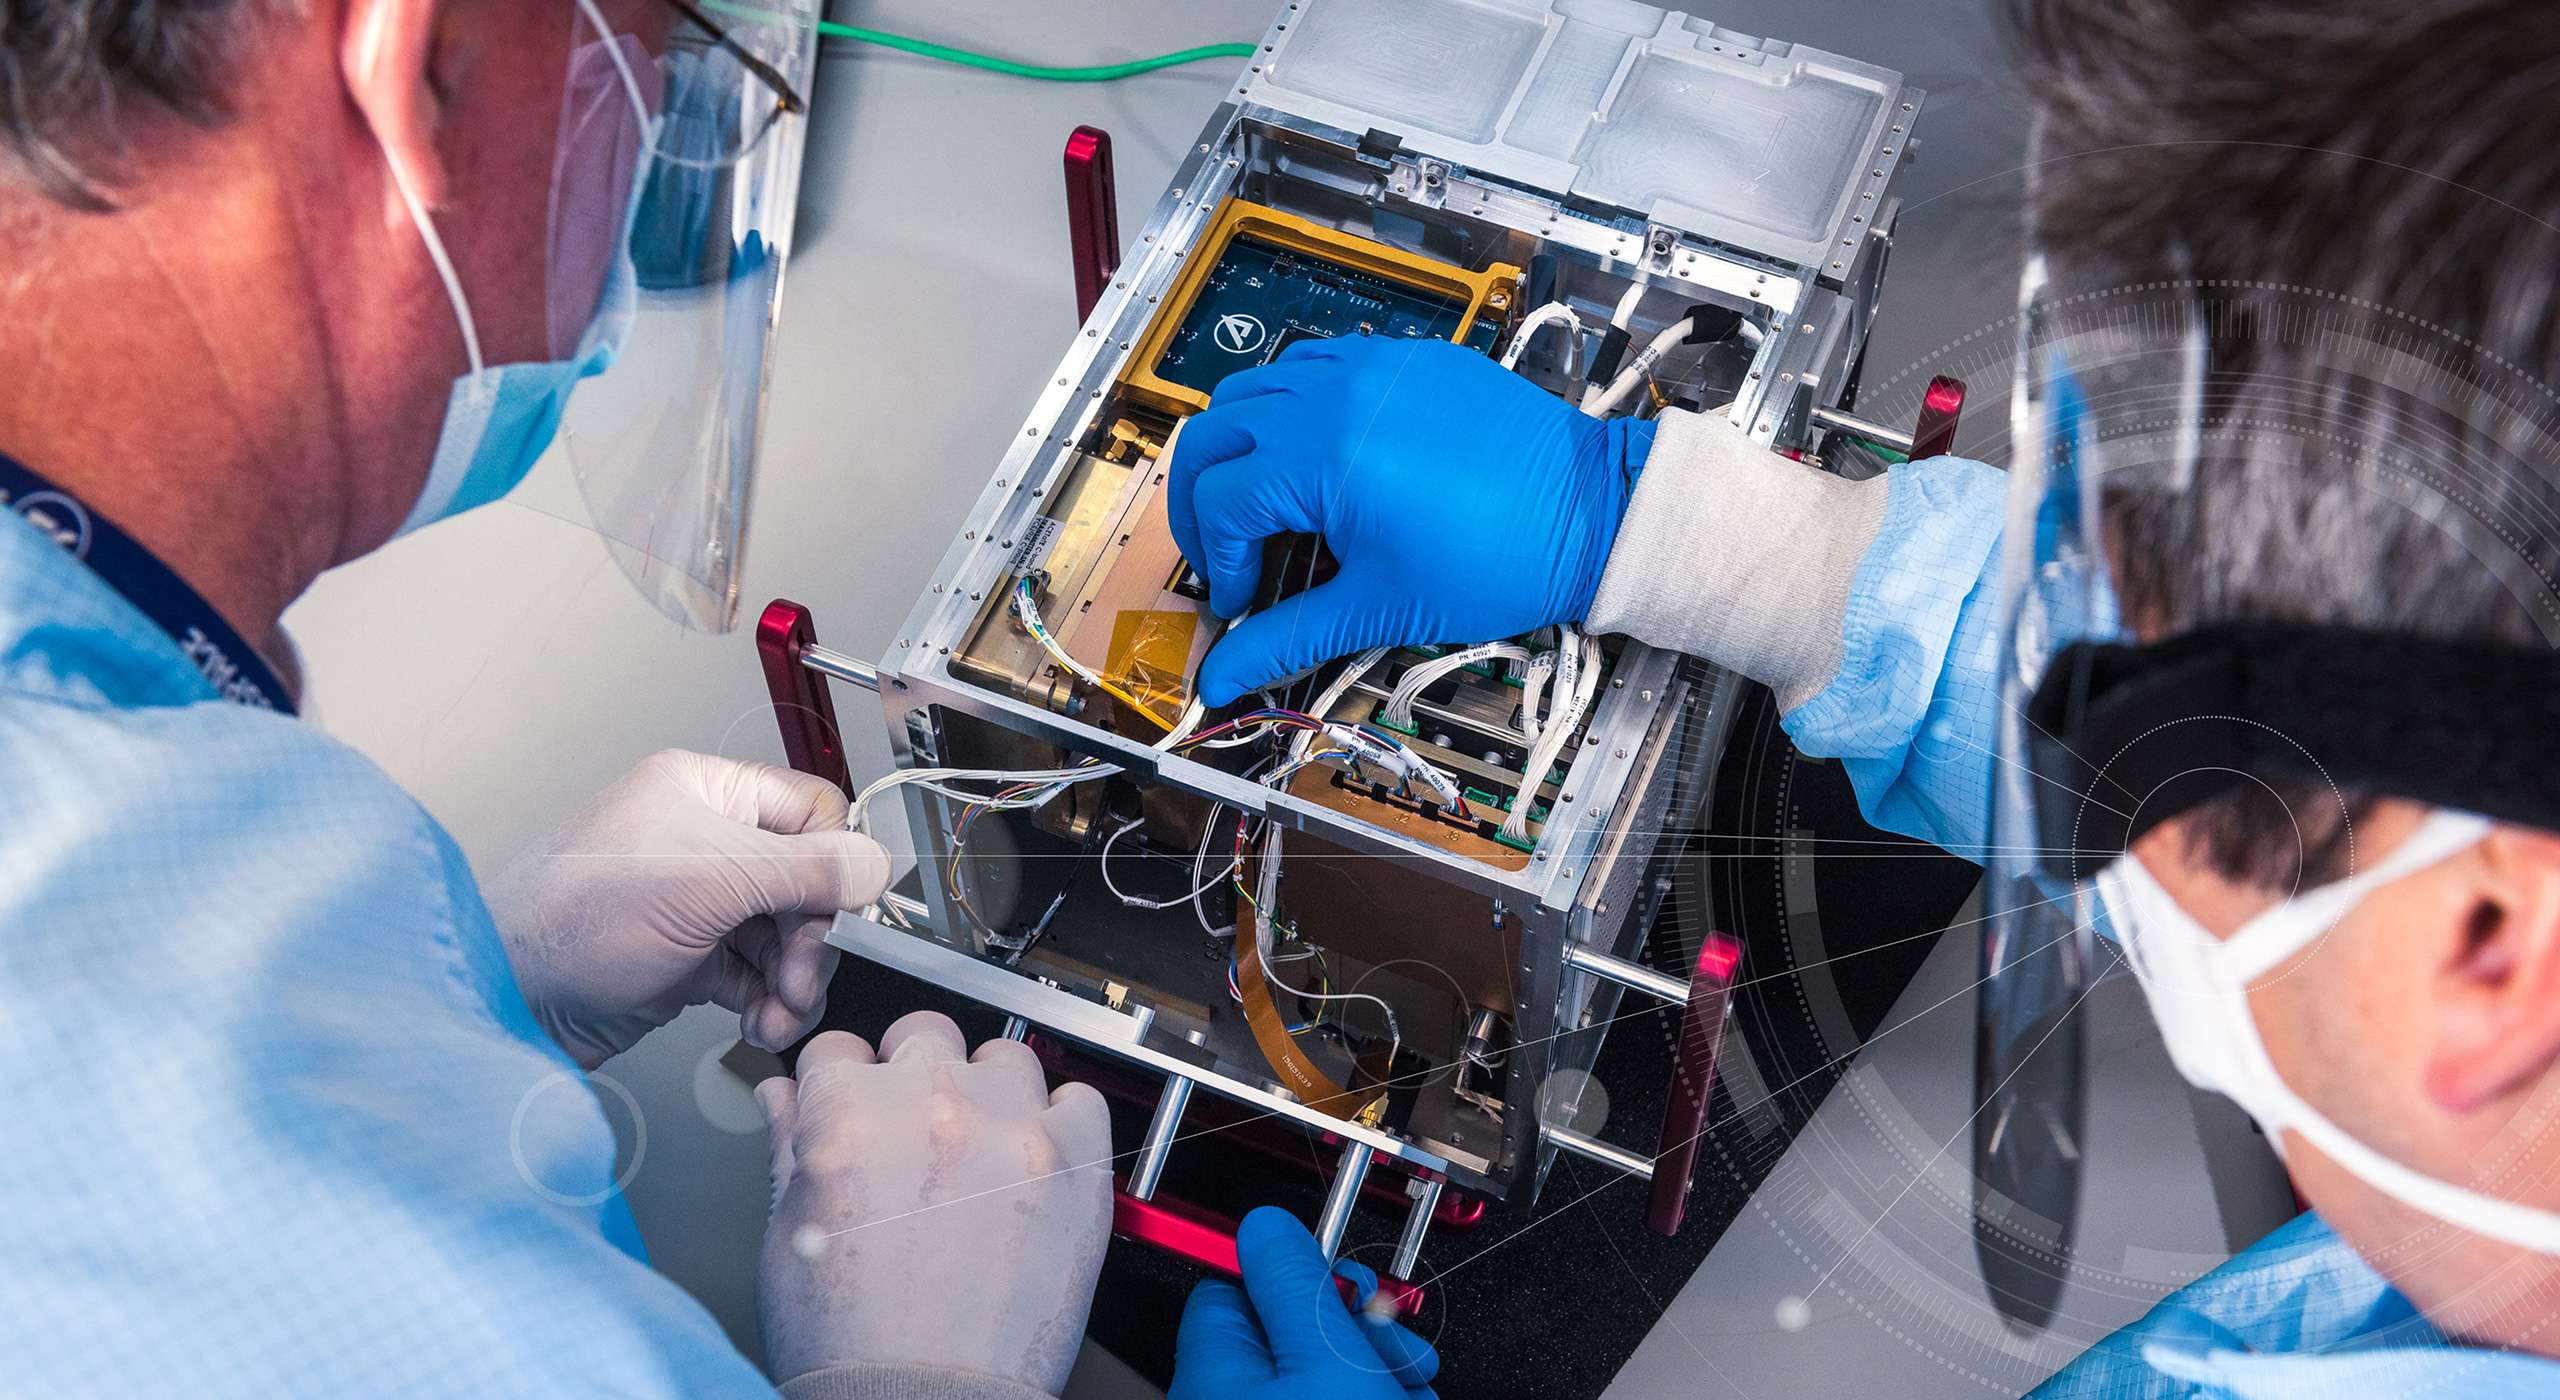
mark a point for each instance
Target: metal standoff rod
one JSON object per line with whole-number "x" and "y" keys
{"x": 1425, "y": 1191}
{"x": 1661, "y": 986}
{"x": 1342, "y": 1199}
{"x": 842, "y": 667}
{"x": 1592, "y": 1149}
{"x": 1161, "y": 1131}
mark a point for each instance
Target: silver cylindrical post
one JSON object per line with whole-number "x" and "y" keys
{"x": 1833, "y": 420}
{"x": 1016, "y": 1028}
{"x": 1340, "y": 1201}
{"x": 1633, "y": 976}
{"x": 842, "y": 667}
{"x": 1592, "y": 1149}
{"x": 1425, "y": 1191}
{"x": 1161, "y": 1131}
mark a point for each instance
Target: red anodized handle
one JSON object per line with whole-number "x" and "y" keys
{"x": 1093, "y": 216}
{"x": 811, "y": 740}
{"x": 1208, "y": 1240}
{"x": 1693, "y": 1078}
{"x": 1933, "y": 434}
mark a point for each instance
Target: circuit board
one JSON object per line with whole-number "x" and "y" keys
{"x": 1260, "y": 299}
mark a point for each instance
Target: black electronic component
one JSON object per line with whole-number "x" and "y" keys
{"x": 1540, "y": 284}
{"x": 1613, "y": 348}
{"x": 1280, "y": 344}
{"x": 1710, "y": 323}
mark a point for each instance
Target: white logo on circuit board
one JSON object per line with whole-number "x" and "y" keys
{"x": 1239, "y": 334}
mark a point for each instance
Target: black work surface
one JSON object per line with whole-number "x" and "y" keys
{"x": 1550, "y": 1300}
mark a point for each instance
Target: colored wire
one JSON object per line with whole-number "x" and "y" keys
{"x": 922, "y": 48}
{"x": 1027, "y": 608}
{"x": 1268, "y": 921}
{"x": 937, "y": 780}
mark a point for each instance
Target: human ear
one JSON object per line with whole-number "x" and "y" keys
{"x": 387, "y": 57}
{"x": 2496, "y": 988}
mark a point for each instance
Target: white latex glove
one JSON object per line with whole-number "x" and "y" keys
{"x": 663, "y": 892}
{"x": 932, "y": 1209}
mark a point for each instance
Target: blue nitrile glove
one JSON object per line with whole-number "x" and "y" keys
{"x": 1285, "y": 1335}
{"x": 1465, "y": 503}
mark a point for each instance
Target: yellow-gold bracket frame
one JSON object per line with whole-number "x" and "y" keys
{"x": 1482, "y": 294}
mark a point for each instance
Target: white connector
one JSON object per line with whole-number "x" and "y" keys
{"x": 1393, "y": 757}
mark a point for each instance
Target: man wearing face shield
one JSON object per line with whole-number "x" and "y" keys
{"x": 2249, "y": 686}
{"x": 295, "y": 1111}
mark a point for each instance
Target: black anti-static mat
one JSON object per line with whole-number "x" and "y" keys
{"x": 1550, "y": 1300}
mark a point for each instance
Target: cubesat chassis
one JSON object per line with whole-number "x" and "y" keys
{"x": 1509, "y": 964}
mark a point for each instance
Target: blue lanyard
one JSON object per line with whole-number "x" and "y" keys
{"x": 234, "y": 669}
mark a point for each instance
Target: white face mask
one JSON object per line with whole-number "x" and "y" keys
{"x": 2198, "y": 987}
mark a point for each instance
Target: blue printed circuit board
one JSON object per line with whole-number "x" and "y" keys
{"x": 1260, "y": 300}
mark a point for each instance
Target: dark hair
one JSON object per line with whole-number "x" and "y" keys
{"x": 2356, "y": 197}
{"x": 71, "y": 71}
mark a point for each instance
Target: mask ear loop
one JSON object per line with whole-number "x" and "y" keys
{"x": 2263, "y": 944}
{"x": 621, "y": 64}
{"x": 426, "y": 226}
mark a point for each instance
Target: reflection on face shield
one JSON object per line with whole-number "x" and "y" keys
{"x": 606, "y": 132}
{"x": 664, "y": 449}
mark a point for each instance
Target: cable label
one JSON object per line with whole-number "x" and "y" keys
{"x": 1033, "y": 549}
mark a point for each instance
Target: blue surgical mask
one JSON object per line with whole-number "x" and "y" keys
{"x": 500, "y": 419}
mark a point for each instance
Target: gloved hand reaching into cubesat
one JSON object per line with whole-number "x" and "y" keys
{"x": 1463, "y": 502}
{"x": 692, "y": 879}
{"x": 1286, "y": 1335}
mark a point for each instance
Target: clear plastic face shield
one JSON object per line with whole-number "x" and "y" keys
{"x": 2102, "y": 403}
{"x": 2105, "y": 731}
{"x": 682, "y": 263}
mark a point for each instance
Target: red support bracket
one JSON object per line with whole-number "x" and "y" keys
{"x": 1693, "y": 1078}
{"x": 811, "y": 740}
{"x": 1093, "y": 216}
{"x": 1933, "y": 434}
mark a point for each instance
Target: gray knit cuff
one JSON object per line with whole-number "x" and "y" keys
{"x": 881, "y": 1381}
{"x": 1736, "y": 554}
